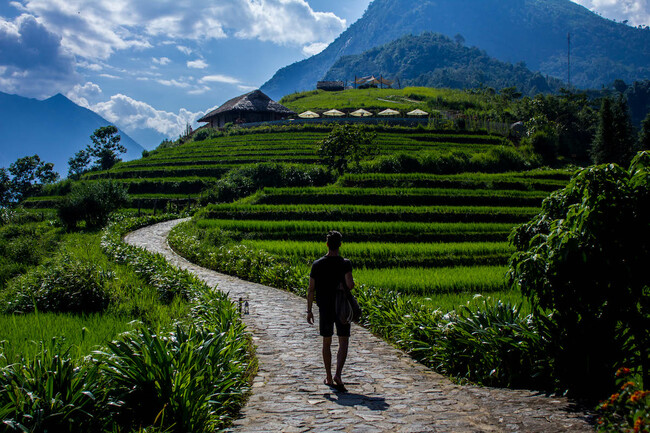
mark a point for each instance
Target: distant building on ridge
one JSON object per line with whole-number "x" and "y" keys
{"x": 330, "y": 86}
{"x": 251, "y": 107}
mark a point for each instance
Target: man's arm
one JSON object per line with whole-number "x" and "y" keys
{"x": 349, "y": 281}
{"x": 310, "y": 300}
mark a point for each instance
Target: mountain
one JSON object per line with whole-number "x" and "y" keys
{"x": 434, "y": 60}
{"x": 532, "y": 31}
{"x": 54, "y": 129}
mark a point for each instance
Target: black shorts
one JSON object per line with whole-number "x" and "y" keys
{"x": 326, "y": 321}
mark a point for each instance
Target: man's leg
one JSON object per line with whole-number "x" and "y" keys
{"x": 327, "y": 359}
{"x": 341, "y": 356}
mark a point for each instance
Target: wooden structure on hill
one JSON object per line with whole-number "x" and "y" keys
{"x": 251, "y": 107}
{"x": 330, "y": 86}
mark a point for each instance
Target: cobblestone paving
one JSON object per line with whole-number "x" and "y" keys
{"x": 387, "y": 390}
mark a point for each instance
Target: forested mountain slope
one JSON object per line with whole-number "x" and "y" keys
{"x": 434, "y": 60}
{"x": 532, "y": 31}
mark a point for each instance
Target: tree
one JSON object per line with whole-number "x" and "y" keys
{"x": 644, "y": 134}
{"x": 584, "y": 258}
{"x": 345, "y": 144}
{"x": 102, "y": 153}
{"x": 92, "y": 202}
{"x": 78, "y": 164}
{"x": 29, "y": 174}
{"x": 614, "y": 140}
{"x": 5, "y": 188}
{"x": 619, "y": 85}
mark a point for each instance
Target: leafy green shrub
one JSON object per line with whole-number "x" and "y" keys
{"x": 50, "y": 393}
{"x": 626, "y": 410}
{"x": 186, "y": 380}
{"x": 585, "y": 258}
{"x": 545, "y": 142}
{"x": 497, "y": 159}
{"x": 92, "y": 202}
{"x": 201, "y": 134}
{"x": 244, "y": 181}
{"x": 64, "y": 285}
{"x": 247, "y": 263}
{"x": 486, "y": 341}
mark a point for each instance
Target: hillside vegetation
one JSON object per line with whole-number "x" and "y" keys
{"x": 434, "y": 60}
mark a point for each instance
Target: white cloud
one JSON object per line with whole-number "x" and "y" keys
{"x": 161, "y": 61}
{"x": 219, "y": 79}
{"x": 97, "y": 28}
{"x": 113, "y": 77}
{"x": 96, "y": 67}
{"x": 131, "y": 115}
{"x": 79, "y": 94}
{"x": 637, "y": 12}
{"x": 313, "y": 49}
{"x": 32, "y": 59}
{"x": 184, "y": 50}
{"x": 197, "y": 64}
{"x": 173, "y": 83}
{"x": 199, "y": 90}
{"x": 247, "y": 88}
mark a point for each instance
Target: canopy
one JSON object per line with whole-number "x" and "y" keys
{"x": 308, "y": 115}
{"x": 417, "y": 112}
{"x": 389, "y": 112}
{"x": 361, "y": 113}
{"x": 334, "y": 113}
{"x": 373, "y": 80}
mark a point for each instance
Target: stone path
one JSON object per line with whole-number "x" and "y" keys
{"x": 387, "y": 390}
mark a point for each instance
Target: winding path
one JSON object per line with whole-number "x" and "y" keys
{"x": 387, "y": 390}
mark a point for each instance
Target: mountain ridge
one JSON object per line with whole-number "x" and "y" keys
{"x": 532, "y": 31}
{"x": 434, "y": 60}
{"x": 63, "y": 129}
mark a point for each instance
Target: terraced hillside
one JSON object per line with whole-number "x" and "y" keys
{"x": 182, "y": 172}
{"x": 423, "y": 235}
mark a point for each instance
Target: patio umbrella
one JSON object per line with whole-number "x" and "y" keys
{"x": 334, "y": 113}
{"x": 389, "y": 112}
{"x": 308, "y": 115}
{"x": 361, "y": 113}
{"x": 417, "y": 112}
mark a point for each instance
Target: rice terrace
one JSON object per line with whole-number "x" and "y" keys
{"x": 476, "y": 231}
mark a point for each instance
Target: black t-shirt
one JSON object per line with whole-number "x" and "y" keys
{"x": 328, "y": 272}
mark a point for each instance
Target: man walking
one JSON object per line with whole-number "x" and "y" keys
{"x": 326, "y": 275}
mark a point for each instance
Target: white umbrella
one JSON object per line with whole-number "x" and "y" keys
{"x": 417, "y": 112}
{"x": 308, "y": 115}
{"x": 361, "y": 113}
{"x": 389, "y": 112}
{"x": 334, "y": 113}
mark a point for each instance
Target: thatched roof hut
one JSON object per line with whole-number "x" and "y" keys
{"x": 251, "y": 107}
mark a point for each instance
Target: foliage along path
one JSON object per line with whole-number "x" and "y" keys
{"x": 387, "y": 390}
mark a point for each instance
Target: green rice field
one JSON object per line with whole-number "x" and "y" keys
{"x": 439, "y": 238}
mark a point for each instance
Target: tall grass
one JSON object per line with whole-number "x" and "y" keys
{"x": 370, "y": 213}
{"x": 358, "y": 231}
{"x": 428, "y": 281}
{"x": 21, "y": 335}
{"x": 382, "y": 254}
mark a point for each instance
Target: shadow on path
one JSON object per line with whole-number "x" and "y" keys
{"x": 350, "y": 399}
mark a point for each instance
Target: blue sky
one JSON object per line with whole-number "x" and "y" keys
{"x": 152, "y": 66}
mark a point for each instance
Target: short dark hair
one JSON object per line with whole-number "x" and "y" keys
{"x": 334, "y": 240}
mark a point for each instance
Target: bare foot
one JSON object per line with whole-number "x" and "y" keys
{"x": 329, "y": 382}
{"x": 339, "y": 384}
